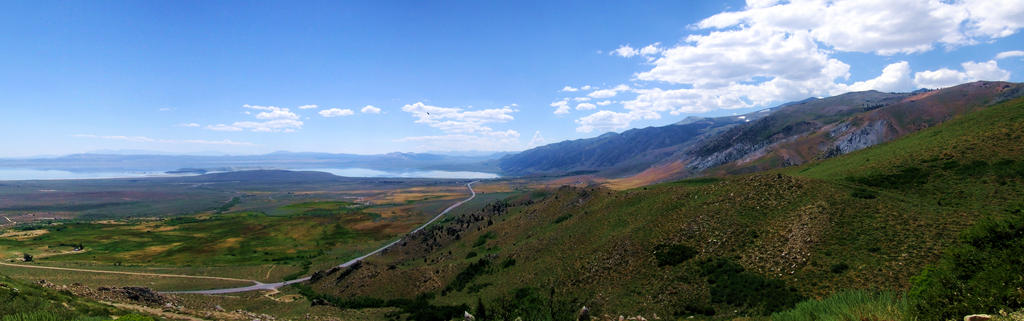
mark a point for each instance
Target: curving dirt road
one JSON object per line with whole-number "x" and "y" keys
{"x": 272, "y": 286}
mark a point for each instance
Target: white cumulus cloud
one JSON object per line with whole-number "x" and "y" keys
{"x": 585, "y": 106}
{"x": 309, "y": 107}
{"x": 604, "y": 120}
{"x": 561, "y": 106}
{"x": 894, "y": 78}
{"x": 273, "y": 119}
{"x": 370, "y": 109}
{"x": 625, "y": 51}
{"x": 771, "y": 52}
{"x": 884, "y": 27}
{"x": 972, "y": 71}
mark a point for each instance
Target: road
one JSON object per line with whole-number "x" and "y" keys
{"x": 271, "y": 286}
{"x": 163, "y": 275}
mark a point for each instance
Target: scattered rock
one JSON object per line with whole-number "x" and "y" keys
{"x": 978, "y": 317}
{"x": 584, "y": 314}
{"x": 144, "y": 295}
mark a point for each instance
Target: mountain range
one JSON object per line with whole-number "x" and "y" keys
{"x": 786, "y": 135}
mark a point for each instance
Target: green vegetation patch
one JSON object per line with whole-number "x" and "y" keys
{"x": 673, "y": 254}
{"x": 418, "y": 309}
{"x": 225, "y": 239}
{"x": 29, "y": 302}
{"x": 854, "y": 305}
{"x": 467, "y": 275}
{"x": 982, "y": 274}
{"x": 529, "y": 303}
{"x": 730, "y": 284}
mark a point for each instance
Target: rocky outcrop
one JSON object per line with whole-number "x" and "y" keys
{"x": 850, "y": 140}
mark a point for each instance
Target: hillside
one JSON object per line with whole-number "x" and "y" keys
{"x": 739, "y": 245}
{"x": 25, "y": 301}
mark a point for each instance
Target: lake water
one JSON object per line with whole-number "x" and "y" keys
{"x": 33, "y": 174}
{"x": 364, "y": 172}
{"x": 7, "y": 174}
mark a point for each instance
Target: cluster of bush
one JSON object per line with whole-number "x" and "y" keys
{"x": 984, "y": 273}
{"x": 417, "y": 309}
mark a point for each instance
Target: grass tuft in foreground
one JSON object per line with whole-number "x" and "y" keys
{"x": 853, "y": 305}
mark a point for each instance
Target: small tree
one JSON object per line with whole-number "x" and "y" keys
{"x": 28, "y": 257}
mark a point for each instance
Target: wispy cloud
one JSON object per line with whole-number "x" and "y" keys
{"x": 309, "y": 107}
{"x": 1010, "y": 54}
{"x": 144, "y": 139}
{"x": 274, "y": 119}
{"x": 464, "y": 129}
{"x": 336, "y": 112}
{"x": 188, "y": 125}
{"x": 458, "y": 120}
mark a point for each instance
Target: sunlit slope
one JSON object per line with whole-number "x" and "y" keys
{"x": 739, "y": 245}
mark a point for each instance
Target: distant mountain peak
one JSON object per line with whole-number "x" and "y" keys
{"x": 690, "y": 120}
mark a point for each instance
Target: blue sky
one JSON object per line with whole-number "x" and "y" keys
{"x": 231, "y": 77}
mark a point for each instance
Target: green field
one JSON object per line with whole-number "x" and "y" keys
{"x": 274, "y": 244}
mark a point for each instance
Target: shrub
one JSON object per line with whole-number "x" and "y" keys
{"x": 863, "y": 194}
{"x": 532, "y": 304}
{"x": 467, "y": 275}
{"x": 730, "y": 284}
{"x": 839, "y": 268}
{"x": 562, "y": 218}
{"x": 482, "y": 239}
{"x": 904, "y": 177}
{"x": 673, "y": 254}
{"x": 418, "y": 309}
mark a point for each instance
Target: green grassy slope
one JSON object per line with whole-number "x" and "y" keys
{"x": 759, "y": 243}
{"x": 22, "y": 301}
